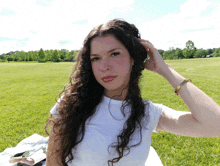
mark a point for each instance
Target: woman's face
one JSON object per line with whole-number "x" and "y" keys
{"x": 111, "y": 65}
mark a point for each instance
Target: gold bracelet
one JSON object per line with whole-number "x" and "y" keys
{"x": 180, "y": 85}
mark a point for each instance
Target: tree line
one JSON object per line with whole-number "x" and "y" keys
{"x": 41, "y": 55}
{"x": 190, "y": 51}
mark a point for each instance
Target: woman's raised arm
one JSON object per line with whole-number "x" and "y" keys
{"x": 204, "y": 119}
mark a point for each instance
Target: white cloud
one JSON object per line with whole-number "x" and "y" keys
{"x": 193, "y": 8}
{"x": 174, "y": 30}
{"x": 58, "y": 20}
{"x": 45, "y": 26}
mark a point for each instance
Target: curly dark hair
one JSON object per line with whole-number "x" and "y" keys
{"x": 83, "y": 93}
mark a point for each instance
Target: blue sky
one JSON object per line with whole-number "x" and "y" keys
{"x": 63, "y": 24}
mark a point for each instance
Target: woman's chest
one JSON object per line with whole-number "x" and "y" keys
{"x": 100, "y": 134}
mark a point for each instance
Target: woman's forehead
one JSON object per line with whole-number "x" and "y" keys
{"x": 106, "y": 43}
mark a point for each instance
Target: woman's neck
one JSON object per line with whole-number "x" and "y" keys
{"x": 116, "y": 95}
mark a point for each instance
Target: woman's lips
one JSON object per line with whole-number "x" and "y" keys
{"x": 108, "y": 78}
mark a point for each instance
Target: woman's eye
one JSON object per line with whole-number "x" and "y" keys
{"x": 95, "y": 59}
{"x": 115, "y": 53}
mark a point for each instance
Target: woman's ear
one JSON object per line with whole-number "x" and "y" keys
{"x": 132, "y": 61}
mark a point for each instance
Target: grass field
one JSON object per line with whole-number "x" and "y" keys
{"x": 28, "y": 91}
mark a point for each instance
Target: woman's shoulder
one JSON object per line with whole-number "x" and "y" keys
{"x": 154, "y": 106}
{"x": 153, "y": 112}
{"x": 54, "y": 111}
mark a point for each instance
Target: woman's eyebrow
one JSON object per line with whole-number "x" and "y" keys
{"x": 113, "y": 50}
{"x": 107, "y": 52}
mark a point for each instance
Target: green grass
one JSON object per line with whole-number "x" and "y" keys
{"x": 180, "y": 150}
{"x": 28, "y": 91}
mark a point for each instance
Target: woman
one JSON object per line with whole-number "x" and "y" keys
{"x": 101, "y": 118}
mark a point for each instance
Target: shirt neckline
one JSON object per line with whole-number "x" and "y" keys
{"x": 112, "y": 101}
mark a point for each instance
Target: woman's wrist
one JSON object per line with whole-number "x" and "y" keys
{"x": 171, "y": 76}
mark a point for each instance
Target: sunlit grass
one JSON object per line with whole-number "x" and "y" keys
{"x": 28, "y": 91}
{"x": 180, "y": 150}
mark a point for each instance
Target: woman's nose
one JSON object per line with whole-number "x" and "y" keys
{"x": 105, "y": 64}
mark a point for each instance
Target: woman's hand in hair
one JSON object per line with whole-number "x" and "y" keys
{"x": 155, "y": 61}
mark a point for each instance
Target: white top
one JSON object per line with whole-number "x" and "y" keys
{"x": 102, "y": 130}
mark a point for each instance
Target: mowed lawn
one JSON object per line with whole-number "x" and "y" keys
{"x": 28, "y": 91}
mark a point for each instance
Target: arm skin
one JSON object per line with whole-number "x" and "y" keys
{"x": 52, "y": 159}
{"x": 203, "y": 120}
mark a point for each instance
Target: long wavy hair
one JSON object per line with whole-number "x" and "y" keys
{"x": 83, "y": 93}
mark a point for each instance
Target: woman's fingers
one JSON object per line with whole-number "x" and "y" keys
{"x": 149, "y": 47}
{"x": 147, "y": 44}
{"x": 155, "y": 61}
{"x": 148, "y": 64}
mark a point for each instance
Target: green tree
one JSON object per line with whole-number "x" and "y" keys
{"x": 51, "y": 54}
{"x": 161, "y": 52}
{"x": 170, "y": 54}
{"x": 216, "y": 53}
{"x": 70, "y": 56}
{"x": 41, "y": 55}
{"x": 200, "y": 53}
{"x": 190, "y": 49}
{"x": 30, "y": 55}
{"x": 55, "y": 56}
{"x": 48, "y": 54}
{"x": 17, "y": 56}
{"x": 22, "y": 55}
{"x": 2, "y": 57}
{"x": 35, "y": 55}
{"x": 11, "y": 56}
{"x": 165, "y": 55}
{"x": 210, "y": 51}
{"x": 63, "y": 53}
{"x": 179, "y": 53}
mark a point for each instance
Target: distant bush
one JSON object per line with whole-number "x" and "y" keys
{"x": 216, "y": 53}
{"x": 2, "y": 60}
{"x": 10, "y": 58}
{"x": 3, "y": 57}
